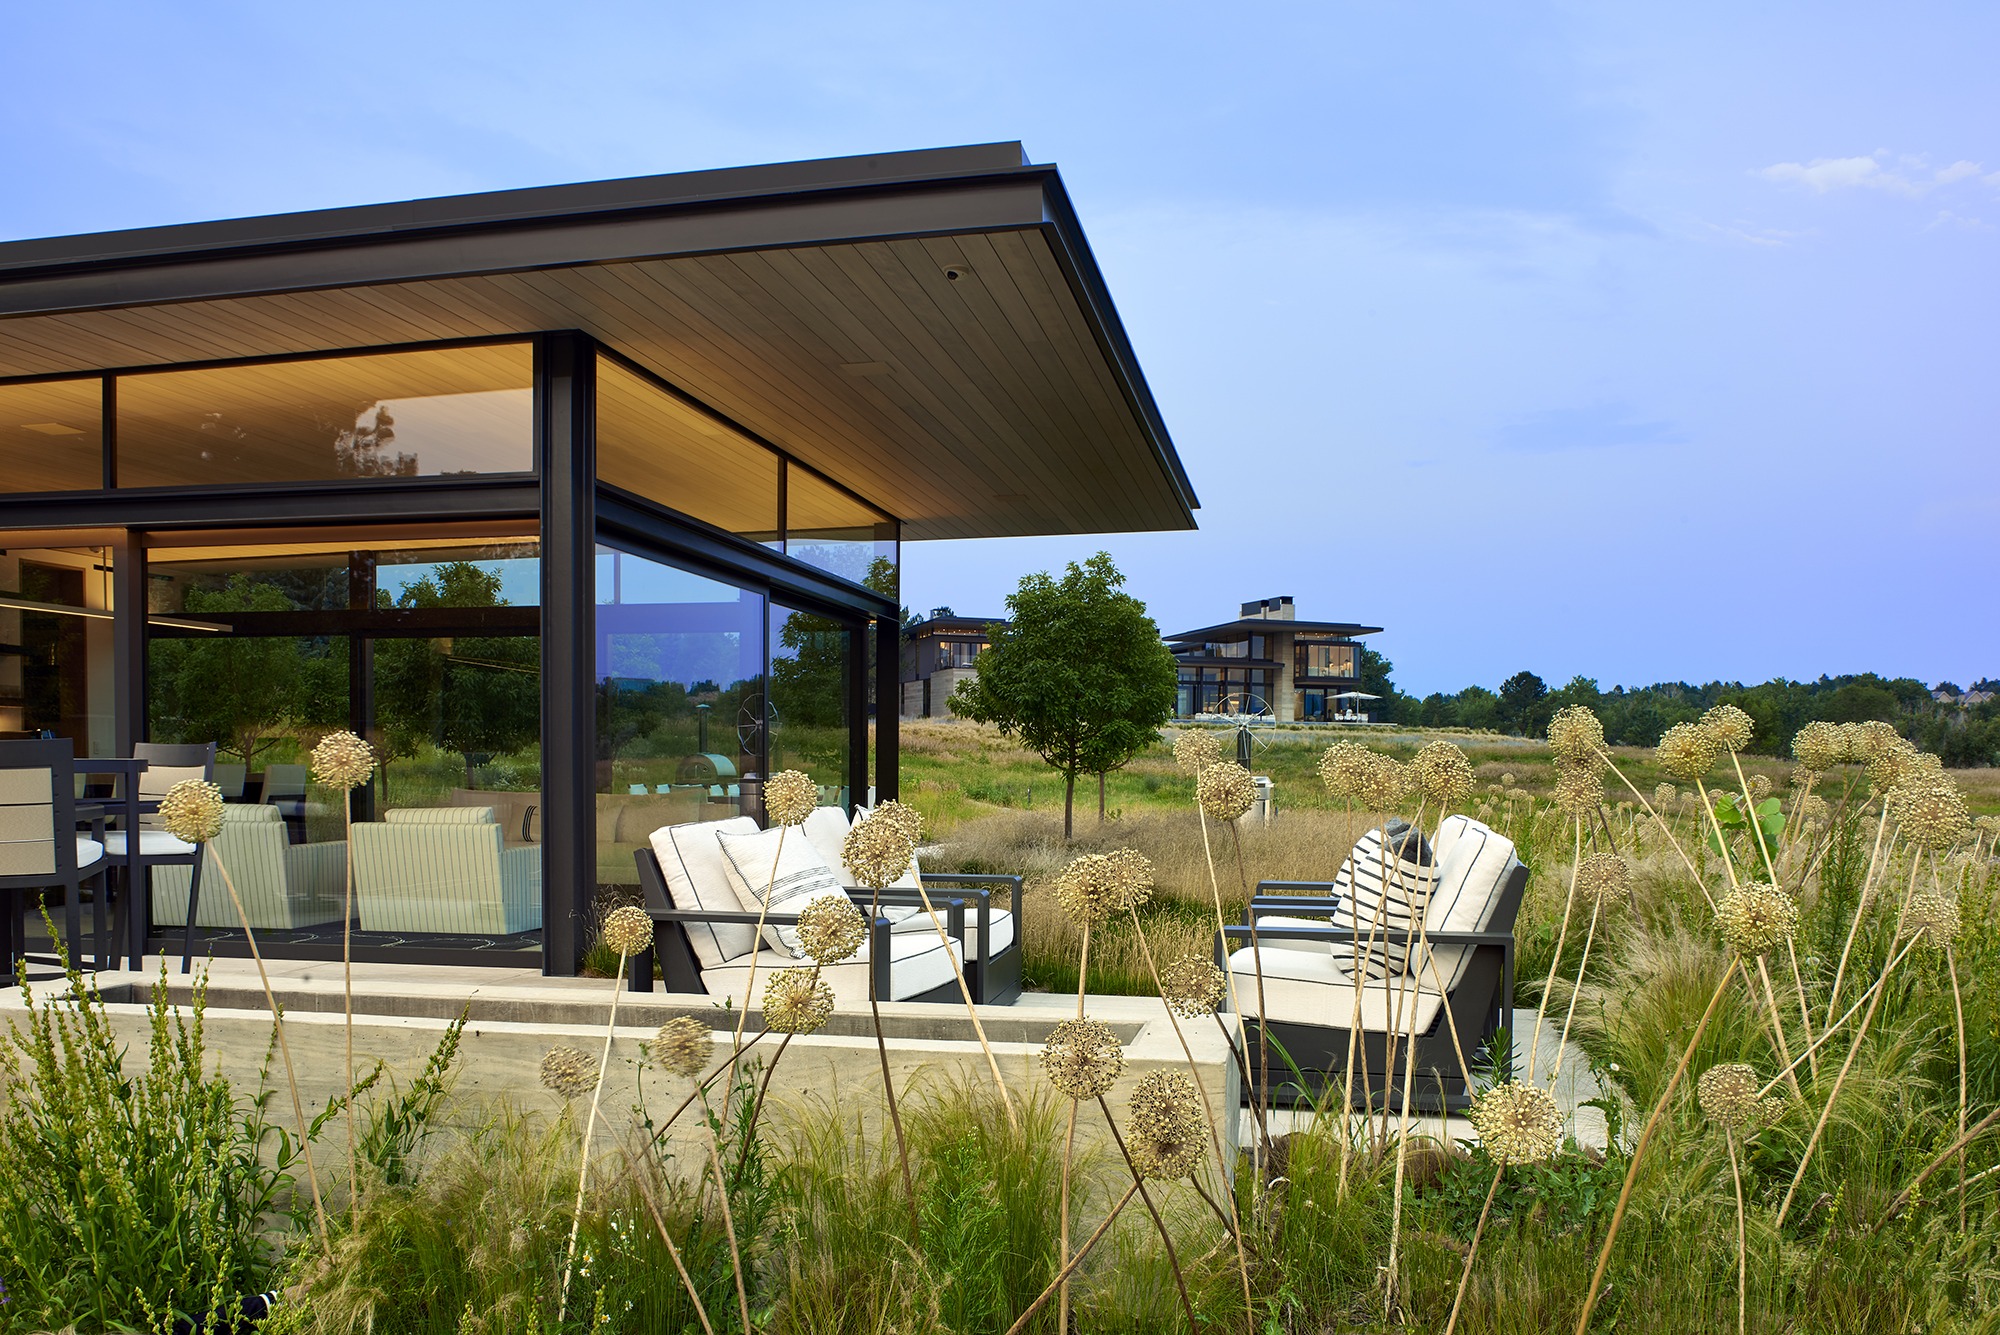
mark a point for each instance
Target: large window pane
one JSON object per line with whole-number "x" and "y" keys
{"x": 827, "y": 528}
{"x": 440, "y": 567}
{"x": 56, "y": 645}
{"x": 52, "y": 436}
{"x": 811, "y": 657}
{"x": 680, "y": 702}
{"x": 401, "y": 414}
{"x": 651, "y": 443}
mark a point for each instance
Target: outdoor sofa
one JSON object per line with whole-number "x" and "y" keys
{"x": 1468, "y": 885}
{"x": 705, "y": 916}
{"x": 282, "y": 884}
{"x": 445, "y": 870}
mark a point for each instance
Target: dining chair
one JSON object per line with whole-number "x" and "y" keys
{"x": 39, "y": 847}
{"x": 167, "y": 764}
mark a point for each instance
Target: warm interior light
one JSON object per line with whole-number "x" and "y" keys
{"x": 101, "y": 614}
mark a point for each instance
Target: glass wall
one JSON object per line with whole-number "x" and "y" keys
{"x": 811, "y": 659}
{"x": 681, "y": 709}
{"x": 52, "y": 436}
{"x": 56, "y": 644}
{"x": 655, "y": 445}
{"x": 831, "y": 531}
{"x": 401, "y": 414}
{"x": 1324, "y": 658}
{"x": 424, "y": 640}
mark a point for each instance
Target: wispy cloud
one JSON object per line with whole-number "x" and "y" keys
{"x": 1909, "y": 175}
{"x": 1597, "y": 426}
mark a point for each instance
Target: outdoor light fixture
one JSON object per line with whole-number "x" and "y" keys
{"x": 101, "y": 614}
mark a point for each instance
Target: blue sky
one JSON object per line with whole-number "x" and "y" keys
{"x": 1643, "y": 342}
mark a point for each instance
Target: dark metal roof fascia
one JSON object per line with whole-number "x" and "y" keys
{"x": 1252, "y": 624}
{"x": 359, "y": 223}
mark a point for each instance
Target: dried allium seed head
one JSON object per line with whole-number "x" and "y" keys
{"x": 1385, "y": 784}
{"x": 1664, "y": 796}
{"x": 1813, "y": 809}
{"x": 1728, "y": 1096}
{"x": 568, "y": 1073}
{"x": 1819, "y": 746}
{"x": 831, "y": 929}
{"x": 1687, "y": 752}
{"x": 1083, "y": 1059}
{"x": 1225, "y": 790}
{"x": 1507, "y": 777}
{"x": 1865, "y": 739}
{"x": 1517, "y": 1123}
{"x": 790, "y": 797}
{"x": 880, "y": 846}
{"x": 1193, "y": 986}
{"x": 1604, "y": 878}
{"x": 905, "y": 818}
{"x": 1195, "y": 750}
{"x": 1576, "y": 736}
{"x": 191, "y": 811}
{"x": 343, "y": 761}
{"x": 1442, "y": 774}
{"x": 1929, "y": 810}
{"x": 1760, "y": 787}
{"x": 1165, "y": 1127}
{"x": 683, "y": 1046}
{"x": 1095, "y": 886}
{"x": 1133, "y": 871}
{"x": 796, "y": 1001}
{"x": 1579, "y": 791}
{"x": 1754, "y": 917}
{"x": 1729, "y": 726}
{"x": 1889, "y": 763}
{"x": 1933, "y": 917}
{"x": 1519, "y": 795}
{"x": 1342, "y": 769}
{"x": 628, "y": 930}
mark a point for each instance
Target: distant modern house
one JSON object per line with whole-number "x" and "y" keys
{"x": 1268, "y": 661}
{"x": 937, "y": 656}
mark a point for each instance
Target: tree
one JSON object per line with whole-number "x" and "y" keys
{"x": 1375, "y": 680}
{"x": 1521, "y": 697}
{"x": 1079, "y": 674}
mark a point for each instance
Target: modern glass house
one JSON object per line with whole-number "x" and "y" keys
{"x": 1269, "y": 662}
{"x": 584, "y": 504}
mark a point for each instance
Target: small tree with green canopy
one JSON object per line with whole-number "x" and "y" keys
{"x": 1080, "y": 675}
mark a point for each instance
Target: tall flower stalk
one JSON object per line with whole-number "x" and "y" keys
{"x": 345, "y": 762}
{"x": 877, "y": 849}
{"x": 191, "y": 811}
{"x": 789, "y": 798}
{"x": 1517, "y": 1124}
{"x": 627, "y": 930}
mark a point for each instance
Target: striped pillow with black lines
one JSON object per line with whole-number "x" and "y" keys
{"x": 1359, "y": 883}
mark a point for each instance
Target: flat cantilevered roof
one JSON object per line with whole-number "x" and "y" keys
{"x": 1255, "y": 624}
{"x": 927, "y": 328}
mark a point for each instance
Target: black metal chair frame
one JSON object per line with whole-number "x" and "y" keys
{"x": 990, "y": 980}
{"x": 136, "y": 912}
{"x": 58, "y": 757}
{"x": 1480, "y": 1004}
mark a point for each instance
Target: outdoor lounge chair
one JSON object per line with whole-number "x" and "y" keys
{"x": 282, "y": 885}
{"x": 706, "y": 931}
{"x": 1308, "y": 945}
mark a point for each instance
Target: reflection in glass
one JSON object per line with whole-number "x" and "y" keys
{"x": 310, "y": 573}
{"x": 680, "y": 702}
{"x": 811, "y": 657}
{"x": 400, "y": 414}
{"x": 56, "y": 645}
{"x": 651, "y": 443}
{"x": 828, "y": 529}
{"x": 52, "y": 436}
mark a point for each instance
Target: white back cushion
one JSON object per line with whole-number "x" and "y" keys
{"x": 781, "y": 872}
{"x": 697, "y": 876}
{"x": 1469, "y": 876}
{"x": 826, "y": 829}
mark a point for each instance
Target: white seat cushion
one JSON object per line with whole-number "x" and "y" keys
{"x": 88, "y": 851}
{"x": 697, "y": 876}
{"x": 1003, "y": 925}
{"x": 917, "y": 964}
{"x": 1309, "y": 987}
{"x": 152, "y": 844}
{"x": 1267, "y": 921}
{"x": 778, "y": 871}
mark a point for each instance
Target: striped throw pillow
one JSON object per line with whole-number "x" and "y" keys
{"x": 801, "y": 877}
{"x": 1390, "y": 904}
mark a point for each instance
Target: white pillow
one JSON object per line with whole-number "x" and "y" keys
{"x": 1359, "y": 883}
{"x": 698, "y": 877}
{"x": 826, "y": 829}
{"x": 801, "y": 877}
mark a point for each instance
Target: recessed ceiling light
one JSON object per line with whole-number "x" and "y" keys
{"x": 864, "y": 368}
{"x": 954, "y": 272}
{"x": 52, "y": 428}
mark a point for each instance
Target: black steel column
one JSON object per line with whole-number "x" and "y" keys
{"x": 888, "y": 703}
{"x": 128, "y": 640}
{"x": 361, "y": 672}
{"x": 860, "y": 652}
{"x": 566, "y": 379}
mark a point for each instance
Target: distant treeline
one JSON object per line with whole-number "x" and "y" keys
{"x": 1962, "y": 733}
